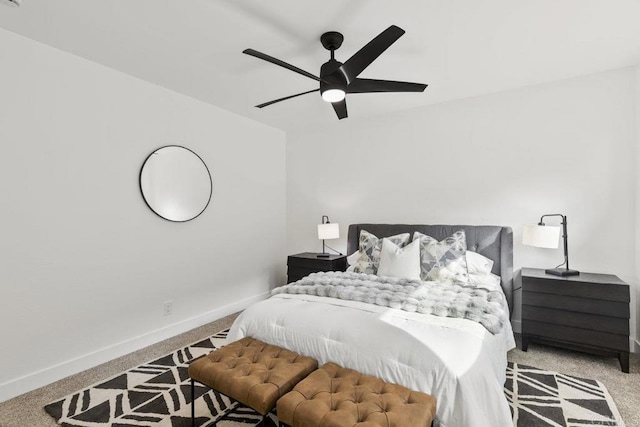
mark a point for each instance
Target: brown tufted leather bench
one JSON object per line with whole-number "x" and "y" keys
{"x": 334, "y": 396}
{"x": 251, "y": 372}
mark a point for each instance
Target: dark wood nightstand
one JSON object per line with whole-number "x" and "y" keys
{"x": 588, "y": 312}
{"x": 303, "y": 264}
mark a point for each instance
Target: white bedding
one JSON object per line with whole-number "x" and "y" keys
{"x": 455, "y": 360}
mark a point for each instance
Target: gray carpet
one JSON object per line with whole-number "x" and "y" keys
{"x": 27, "y": 410}
{"x": 624, "y": 388}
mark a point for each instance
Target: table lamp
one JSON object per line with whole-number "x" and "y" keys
{"x": 544, "y": 236}
{"x": 327, "y": 231}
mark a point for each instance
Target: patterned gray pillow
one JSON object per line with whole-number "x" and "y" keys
{"x": 369, "y": 247}
{"x": 445, "y": 260}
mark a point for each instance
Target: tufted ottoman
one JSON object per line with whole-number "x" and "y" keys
{"x": 334, "y": 396}
{"x": 251, "y": 372}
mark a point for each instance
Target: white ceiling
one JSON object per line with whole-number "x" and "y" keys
{"x": 461, "y": 48}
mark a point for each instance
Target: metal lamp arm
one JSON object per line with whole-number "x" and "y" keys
{"x": 324, "y": 217}
{"x": 564, "y": 236}
{"x": 543, "y": 216}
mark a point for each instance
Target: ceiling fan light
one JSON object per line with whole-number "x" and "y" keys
{"x": 333, "y": 95}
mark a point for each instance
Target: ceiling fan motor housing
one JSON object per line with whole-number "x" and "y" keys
{"x": 329, "y": 80}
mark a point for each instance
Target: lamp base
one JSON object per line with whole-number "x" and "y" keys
{"x": 323, "y": 255}
{"x": 563, "y": 272}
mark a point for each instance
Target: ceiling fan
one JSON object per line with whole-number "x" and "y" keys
{"x": 338, "y": 79}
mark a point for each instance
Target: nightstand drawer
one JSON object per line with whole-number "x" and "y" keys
{"x": 312, "y": 261}
{"x": 300, "y": 272}
{"x": 582, "y": 305}
{"x": 576, "y": 335}
{"x": 578, "y": 289}
{"x": 615, "y": 325}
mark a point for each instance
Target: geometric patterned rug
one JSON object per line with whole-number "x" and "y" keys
{"x": 546, "y": 398}
{"x": 158, "y": 394}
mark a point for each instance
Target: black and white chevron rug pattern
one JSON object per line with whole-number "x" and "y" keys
{"x": 546, "y": 398}
{"x": 158, "y": 394}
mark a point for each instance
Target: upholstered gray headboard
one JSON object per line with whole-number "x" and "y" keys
{"x": 494, "y": 242}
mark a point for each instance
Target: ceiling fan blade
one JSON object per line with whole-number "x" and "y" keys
{"x": 372, "y": 85}
{"x": 285, "y": 98}
{"x": 276, "y": 61}
{"x": 365, "y": 56}
{"x": 340, "y": 108}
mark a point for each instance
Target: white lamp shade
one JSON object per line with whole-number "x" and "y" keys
{"x": 541, "y": 236}
{"x": 328, "y": 231}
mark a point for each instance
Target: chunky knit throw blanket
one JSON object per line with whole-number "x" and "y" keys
{"x": 430, "y": 297}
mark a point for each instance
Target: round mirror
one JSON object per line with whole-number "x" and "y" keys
{"x": 176, "y": 183}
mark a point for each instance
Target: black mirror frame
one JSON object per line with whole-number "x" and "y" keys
{"x": 205, "y": 166}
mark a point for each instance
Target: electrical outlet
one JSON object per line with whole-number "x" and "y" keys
{"x": 167, "y": 308}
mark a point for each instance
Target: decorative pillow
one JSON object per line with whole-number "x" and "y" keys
{"x": 478, "y": 264}
{"x": 399, "y": 262}
{"x": 445, "y": 260}
{"x": 369, "y": 247}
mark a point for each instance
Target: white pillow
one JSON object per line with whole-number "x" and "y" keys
{"x": 478, "y": 264}
{"x": 353, "y": 258}
{"x": 400, "y": 262}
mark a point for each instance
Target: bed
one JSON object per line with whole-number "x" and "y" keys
{"x": 456, "y": 360}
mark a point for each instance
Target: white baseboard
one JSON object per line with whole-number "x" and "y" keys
{"x": 56, "y": 372}
{"x": 635, "y": 345}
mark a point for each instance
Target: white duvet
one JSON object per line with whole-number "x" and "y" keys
{"x": 457, "y": 361}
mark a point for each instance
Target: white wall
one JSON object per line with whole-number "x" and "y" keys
{"x": 85, "y": 266}
{"x": 505, "y": 159}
